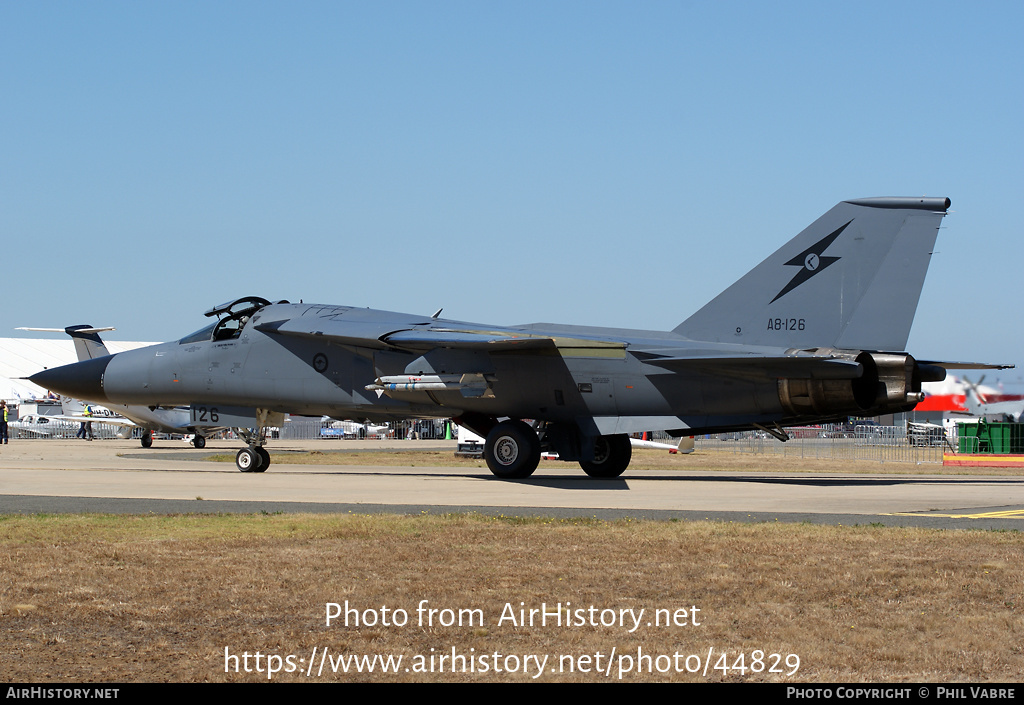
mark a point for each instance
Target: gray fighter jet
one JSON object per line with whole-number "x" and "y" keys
{"x": 814, "y": 333}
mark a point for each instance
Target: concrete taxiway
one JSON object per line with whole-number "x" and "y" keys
{"x": 119, "y": 476}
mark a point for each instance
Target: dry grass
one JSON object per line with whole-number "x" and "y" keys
{"x": 104, "y": 598}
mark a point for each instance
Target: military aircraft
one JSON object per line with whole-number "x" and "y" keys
{"x": 814, "y": 333}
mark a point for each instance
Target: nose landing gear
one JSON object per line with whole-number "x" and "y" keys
{"x": 255, "y": 458}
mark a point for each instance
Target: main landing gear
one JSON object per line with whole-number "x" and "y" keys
{"x": 512, "y": 448}
{"x": 611, "y": 456}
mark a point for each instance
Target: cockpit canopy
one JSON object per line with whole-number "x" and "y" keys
{"x": 233, "y": 315}
{"x": 233, "y": 308}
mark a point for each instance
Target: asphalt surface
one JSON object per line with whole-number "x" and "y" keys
{"x": 74, "y": 476}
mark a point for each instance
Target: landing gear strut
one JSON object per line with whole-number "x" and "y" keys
{"x": 255, "y": 458}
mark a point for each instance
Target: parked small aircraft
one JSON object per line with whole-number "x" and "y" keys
{"x": 813, "y": 334}
{"x": 976, "y": 404}
{"x": 43, "y": 426}
{"x": 72, "y": 415}
{"x": 80, "y": 412}
{"x": 352, "y": 429}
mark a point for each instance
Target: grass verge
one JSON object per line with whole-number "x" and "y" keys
{"x": 160, "y": 598}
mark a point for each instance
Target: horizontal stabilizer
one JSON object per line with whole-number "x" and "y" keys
{"x": 70, "y": 330}
{"x": 88, "y": 344}
{"x": 966, "y": 365}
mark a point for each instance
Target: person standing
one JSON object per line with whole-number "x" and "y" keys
{"x": 85, "y": 430}
{"x": 3, "y": 422}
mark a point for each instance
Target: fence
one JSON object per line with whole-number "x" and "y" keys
{"x": 883, "y": 444}
{"x": 65, "y": 429}
{"x": 300, "y": 429}
{"x": 829, "y": 442}
{"x": 297, "y": 428}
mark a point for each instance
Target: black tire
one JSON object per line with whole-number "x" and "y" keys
{"x": 512, "y": 450}
{"x": 147, "y": 439}
{"x": 611, "y": 456}
{"x": 264, "y": 459}
{"x": 199, "y": 441}
{"x": 248, "y": 460}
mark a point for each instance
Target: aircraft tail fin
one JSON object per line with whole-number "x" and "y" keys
{"x": 850, "y": 280}
{"x": 88, "y": 344}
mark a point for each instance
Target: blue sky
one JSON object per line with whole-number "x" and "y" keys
{"x": 579, "y": 162}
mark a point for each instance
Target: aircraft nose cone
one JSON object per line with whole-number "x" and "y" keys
{"x": 81, "y": 380}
